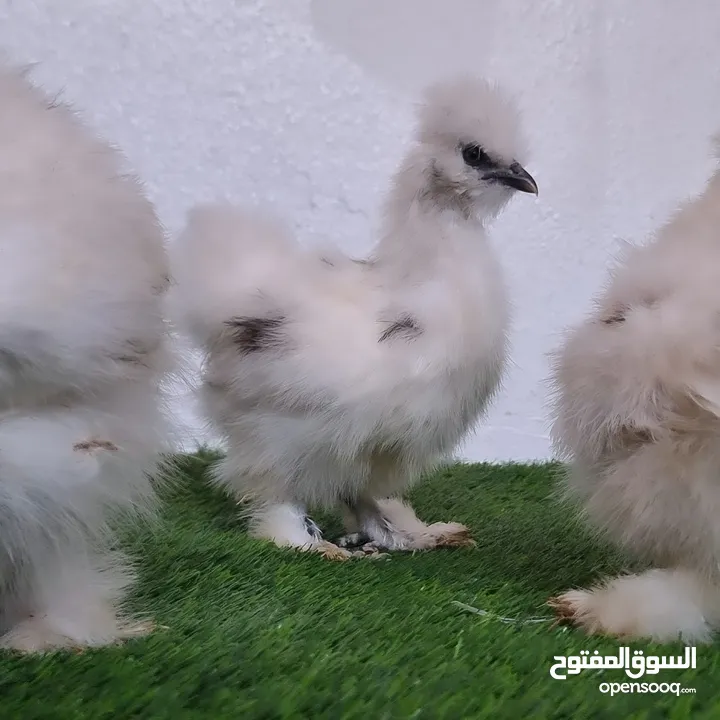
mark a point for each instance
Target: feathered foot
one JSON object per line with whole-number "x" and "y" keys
{"x": 288, "y": 525}
{"x": 448, "y": 535}
{"x": 74, "y": 601}
{"x": 392, "y": 525}
{"x": 40, "y": 635}
{"x": 330, "y": 551}
{"x": 662, "y": 605}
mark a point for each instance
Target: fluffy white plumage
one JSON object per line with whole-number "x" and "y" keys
{"x": 337, "y": 381}
{"x": 82, "y": 352}
{"x": 638, "y": 416}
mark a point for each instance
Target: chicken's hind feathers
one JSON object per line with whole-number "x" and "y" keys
{"x": 229, "y": 262}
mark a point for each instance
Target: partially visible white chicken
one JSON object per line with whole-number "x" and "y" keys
{"x": 82, "y": 352}
{"x": 638, "y": 416}
{"x": 336, "y": 382}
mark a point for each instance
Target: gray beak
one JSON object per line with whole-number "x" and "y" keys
{"x": 514, "y": 176}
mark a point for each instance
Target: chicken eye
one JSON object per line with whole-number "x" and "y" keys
{"x": 474, "y": 156}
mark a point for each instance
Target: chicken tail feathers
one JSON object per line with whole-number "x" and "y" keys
{"x": 224, "y": 264}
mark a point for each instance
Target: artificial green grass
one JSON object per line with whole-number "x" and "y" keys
{"x": 258, "y": 632}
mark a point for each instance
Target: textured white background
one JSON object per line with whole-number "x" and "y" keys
{"x": 306, "y": 105}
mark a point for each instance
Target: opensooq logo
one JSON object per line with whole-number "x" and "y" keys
{"x": 635, "y": 666}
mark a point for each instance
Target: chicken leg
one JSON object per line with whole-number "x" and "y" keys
{"x": 390, "y": 524}
{"x": 289, "y": 525}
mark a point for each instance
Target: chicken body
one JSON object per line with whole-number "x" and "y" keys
{"x": 336, "y": 382}
{"x": 638, "y": 417}
{"x": 82, "y": 352}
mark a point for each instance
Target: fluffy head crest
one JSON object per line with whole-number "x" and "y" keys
{"x": 470, "y": 109}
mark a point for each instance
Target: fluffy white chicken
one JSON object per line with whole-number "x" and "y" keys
{"x": 638, "y": 417}
{"x": 82, "y": 352}
{"x": 335, "y": 381}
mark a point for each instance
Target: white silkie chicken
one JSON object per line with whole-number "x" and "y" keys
{"x": 638, "y": 417}
{"x": 82, "y": 351}
{"x": 336, "y": 382}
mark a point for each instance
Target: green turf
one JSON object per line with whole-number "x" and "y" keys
{"x": 257, "y": 632}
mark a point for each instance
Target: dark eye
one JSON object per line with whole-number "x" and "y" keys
{"x": 474, "y": 156}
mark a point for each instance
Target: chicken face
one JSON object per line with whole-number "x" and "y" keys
{"x": 474, "y": 148}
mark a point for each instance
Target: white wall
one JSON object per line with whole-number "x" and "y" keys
{"x": 306, "y": 105}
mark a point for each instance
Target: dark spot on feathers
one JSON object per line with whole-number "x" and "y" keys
{"x": 631, "y": 437}
{"x": 137, "y": 352}
{"x": 616, "y": 317}
{"x": 619, "y": 314}
{"x": 87, "y": 445}
{"x": 357, "y": 261}
{"x": 312, "y": 528}
{"x": 406, "y": 326}
{"x": 163, "y": 285}
{"x": 254, "y": 334}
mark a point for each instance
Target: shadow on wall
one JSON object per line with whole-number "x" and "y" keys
{"x": 401, "y": 45}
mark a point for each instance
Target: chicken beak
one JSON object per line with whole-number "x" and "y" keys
{"x": 514, "y": 176}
